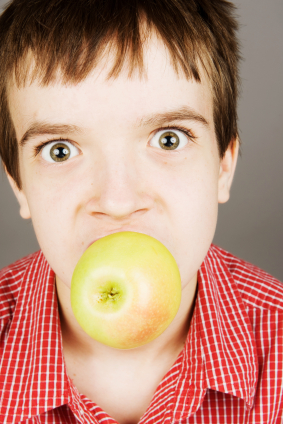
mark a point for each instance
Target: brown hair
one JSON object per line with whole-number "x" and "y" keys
{"x": 71, "y": 36}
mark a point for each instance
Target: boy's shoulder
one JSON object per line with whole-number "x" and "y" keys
{"x": 11, "y": 278}
{"x": 258, "y": 289}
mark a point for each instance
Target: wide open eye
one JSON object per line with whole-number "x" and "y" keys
{"x": 59, "y": 151}
{"x": 169, "y": 139}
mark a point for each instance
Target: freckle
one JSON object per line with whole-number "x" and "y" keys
{"x": 83, "y": 243}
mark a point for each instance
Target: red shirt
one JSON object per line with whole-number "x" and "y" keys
{"x": 230, "y": 370}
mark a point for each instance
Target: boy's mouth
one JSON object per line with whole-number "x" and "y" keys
{"x": 116, "y": 231}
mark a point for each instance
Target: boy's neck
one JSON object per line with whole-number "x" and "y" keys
{"x": 122, "y": 382}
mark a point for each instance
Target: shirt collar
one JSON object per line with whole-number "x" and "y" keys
{"x": 220, "y": 351}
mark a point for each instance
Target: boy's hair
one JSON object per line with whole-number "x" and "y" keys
{"x": 71, "y": 36}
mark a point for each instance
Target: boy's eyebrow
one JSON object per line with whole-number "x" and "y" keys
{"x": 183, "y": 113}
{"x": 43, "y": 128}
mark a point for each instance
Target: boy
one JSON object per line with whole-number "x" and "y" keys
{"x": 121, "y": 116}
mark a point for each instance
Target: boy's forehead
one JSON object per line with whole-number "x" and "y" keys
{"x": 156, "y": 62}
{"x": 158, "y": 88}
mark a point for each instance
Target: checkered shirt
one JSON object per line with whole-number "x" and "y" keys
{"x": 229, "y": 372}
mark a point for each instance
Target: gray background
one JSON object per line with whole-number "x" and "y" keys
{"x": 250, "y": 224}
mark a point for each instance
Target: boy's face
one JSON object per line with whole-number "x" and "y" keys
{"x": 118, "y": 176}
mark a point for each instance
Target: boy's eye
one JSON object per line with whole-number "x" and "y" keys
{"x": 58, "y": 151}
{"x": 169, "y": 139}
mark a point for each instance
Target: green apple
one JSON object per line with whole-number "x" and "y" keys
{"x": 126, "y": 289}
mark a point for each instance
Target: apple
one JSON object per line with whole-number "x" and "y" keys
{"x": 126, "y": 289}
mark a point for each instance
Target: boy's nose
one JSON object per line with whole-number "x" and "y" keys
{"x": 117, "y": 189}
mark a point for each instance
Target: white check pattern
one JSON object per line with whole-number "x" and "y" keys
{"x": 229, "y": 372}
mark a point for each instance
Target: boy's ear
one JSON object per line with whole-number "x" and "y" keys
{"x": 227, "y": 170}
{"x": 20, "y": 195}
